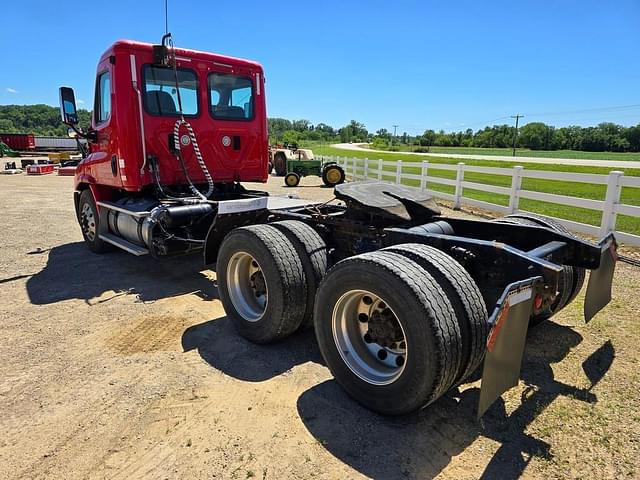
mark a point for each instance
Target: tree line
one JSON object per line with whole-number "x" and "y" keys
{"x": 37, "y": 119}
{"x": 45, "y": 120}
{"x": 606, "y": 136}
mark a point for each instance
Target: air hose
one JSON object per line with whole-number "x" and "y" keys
{"x": 196, "y": 151}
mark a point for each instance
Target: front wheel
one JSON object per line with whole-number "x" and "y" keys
{"x": 292, "y": 179}
{"x": 89, "y": 222}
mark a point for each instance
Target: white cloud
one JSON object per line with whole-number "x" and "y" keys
{"x": 81, "y": 102}
{"x": 11, "y": 90}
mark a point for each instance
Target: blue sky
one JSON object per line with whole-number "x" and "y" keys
{"x": 418, "y": 64}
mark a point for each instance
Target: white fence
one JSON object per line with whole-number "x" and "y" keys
{"x": 364, "y": 168}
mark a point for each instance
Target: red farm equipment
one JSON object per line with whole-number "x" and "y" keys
{"x": 406, "y": 303}
{"x": 18, "y": 141}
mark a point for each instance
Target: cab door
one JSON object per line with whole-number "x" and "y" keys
{"x": 103, "y": 160}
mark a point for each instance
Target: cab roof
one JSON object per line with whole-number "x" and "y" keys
{"x": 131, "y": 45}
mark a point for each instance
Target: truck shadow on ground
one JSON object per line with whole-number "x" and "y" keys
{"x": 221, "y": 347}
{"x": 73, "y": 271}
{"x": 422, "y": 445}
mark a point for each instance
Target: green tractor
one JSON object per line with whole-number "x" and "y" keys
{"x": 6, "y": 150}
{"x": 293, "y": 163}
{"x": 332, "y": 174}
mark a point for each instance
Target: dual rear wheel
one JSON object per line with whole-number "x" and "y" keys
{"x": 397, "y": 327}
{"x": 571, "y": 278}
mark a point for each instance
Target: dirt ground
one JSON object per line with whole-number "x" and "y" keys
{"x": 114, "y": 366}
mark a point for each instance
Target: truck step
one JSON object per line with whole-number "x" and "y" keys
{"x": 118, "y": 208}
{"x": 123, "y": 244}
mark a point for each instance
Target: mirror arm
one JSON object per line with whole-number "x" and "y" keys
{"x": 91, "y": 135}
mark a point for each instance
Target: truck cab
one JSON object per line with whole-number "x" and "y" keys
{"x": 139, "y": 98}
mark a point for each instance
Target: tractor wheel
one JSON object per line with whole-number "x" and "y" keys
{"x": 464, "y": 295}
{"x": 292, "y": 179}
{"x": 88, "y": 219}
{"x": 387, "y": 331}
{"x": 333, "y": 175}
{"x": 262, "y": 283}
{"x": 280, "y": 164}
{"x": 313, "y": 253}
{"x": 566, "y": 281}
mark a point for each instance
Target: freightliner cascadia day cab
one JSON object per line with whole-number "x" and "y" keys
{"x": 405, "y": 302}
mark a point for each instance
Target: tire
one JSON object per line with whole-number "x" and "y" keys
{"x": 292, "y": 179}
{"x": 280, "y": 164}
{"x": 565, "y": 281}
{"x": 579, "y": 273}
{"x": 262, "y": 283}
{"x": 428, "y": 332}
{"x": 88, "y": 219}
{"x": 314, "y": 256}
{"x": 464, "y": 295}
{"x": 270, "y": 168}
{"x": 333, "y": 175}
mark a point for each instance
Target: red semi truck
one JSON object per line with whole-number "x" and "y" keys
{"x": 406, "y": 303}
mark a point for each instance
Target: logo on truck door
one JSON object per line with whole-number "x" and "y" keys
{"x": 185, "y": 140}
{"x": 226, "y": 140}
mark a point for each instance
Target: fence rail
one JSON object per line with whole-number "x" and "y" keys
{"x": 364, "y": 168}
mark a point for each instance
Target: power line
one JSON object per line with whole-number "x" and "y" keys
{"x": 586, "y": 110}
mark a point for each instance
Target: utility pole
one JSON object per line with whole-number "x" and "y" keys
{"x": 515, "y": 133}
{"x": 394, "y": 133}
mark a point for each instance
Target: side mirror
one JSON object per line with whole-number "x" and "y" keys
{"x": 68, "y": 106}
{"x": 71, "y": 133}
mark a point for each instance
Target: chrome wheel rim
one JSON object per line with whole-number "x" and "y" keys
{"x": 369, "y": 337}
{"x": 247, "y": 286}
{"x": 88, "y": 222}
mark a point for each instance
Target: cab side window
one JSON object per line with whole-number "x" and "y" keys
{"x": 102, "y": 107}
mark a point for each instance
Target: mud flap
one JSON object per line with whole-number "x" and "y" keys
{"x": 600, "y": 280}
{"x": 505, "y": 345}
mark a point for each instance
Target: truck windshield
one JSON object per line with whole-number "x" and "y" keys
{"x": 230, "y": 97}
{"x": 161, "y": 95}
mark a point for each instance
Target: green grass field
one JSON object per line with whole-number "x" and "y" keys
{"x": 592, "y": 191}
{"x": 523, "y": 152}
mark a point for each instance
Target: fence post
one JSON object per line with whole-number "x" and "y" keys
{"x": 459, "y": 179}
{"x": 516, "y": 186}
{"x": 399, "y": 171}
{"x": 611, "y": 198}
{"x": 380, "y": 169}
{"x": 423, "y": 175}
{"x": 354, "y": 169}
{"x": 366, "y": 168}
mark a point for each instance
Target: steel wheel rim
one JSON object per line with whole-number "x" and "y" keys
{"x": 88, "y": 221}
{"x": 291, "y": 181}
{"x": 247, "y": 286}
{"x": 352, "y": 334}
{"x": 333, "y": 175}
